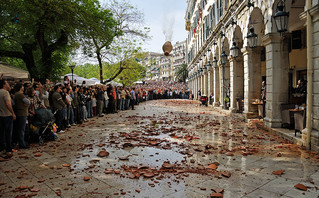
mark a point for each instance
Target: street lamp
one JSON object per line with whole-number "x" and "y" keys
{"x": 234, "y": 50}
{"x": 209, "y": 66}
{"x": 215, "y": 62}
{"x": 252, "y": 38}
{"x": 204, "y": 69}
{"x": 281, "y": 17}
{"x": 72, "y": 68}
{"x": 223, "y": 58}
{"x": 249, "y": 4}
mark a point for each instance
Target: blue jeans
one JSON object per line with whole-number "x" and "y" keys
{"x": 70, "y": 115}
{"x": 90, "y": 108}
{"x": 122, "y": 103}
{"x": 6, "y": 126}
{"x": 21, "y": 122}
{"x": 85, "y": 113}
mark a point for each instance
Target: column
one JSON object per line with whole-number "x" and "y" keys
{"x": 221, "y": 84}
{"x": 201, "y": 83}
{"x": 277, "y": 68}
{"x": 216, "y": 87}
{"x": 252, "y": 79}
{"x": 210, "y": 86}
{"x": 204, "y": 80}
{"x": 206, "y": 83}
{"x": 195, "y": 89}
{"x": 236, "y": 82}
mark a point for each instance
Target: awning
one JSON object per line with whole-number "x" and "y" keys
{"x": 7, "y": 72}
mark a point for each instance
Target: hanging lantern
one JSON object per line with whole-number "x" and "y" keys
{"x": 209, "y": 66}
{"x": 234, "y": 50}
{"x": 215, "y": 62}
{"x": 204, "y": 69}
{"x": 252, "y": 38}
{"x": 200, "y": 71}
{"x": 223, "y": 58}
{"x": 281, "y": 17}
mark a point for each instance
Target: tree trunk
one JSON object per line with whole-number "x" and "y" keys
{"x": 98, "y": 55}
{"x": 29, "y": 59}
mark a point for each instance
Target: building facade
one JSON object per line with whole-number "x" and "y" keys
{"x": 233, "y": 46}
{"x": 160, "y": 67}
{"x": 151, "y": 62}
{"x": 178, "y": 57}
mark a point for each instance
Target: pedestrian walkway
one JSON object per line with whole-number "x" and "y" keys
{"x": 165, "y": 148}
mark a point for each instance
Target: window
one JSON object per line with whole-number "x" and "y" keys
{"x": 207, "y": 27}
{"x": 296, "y": 40}
{"x": 220, "y": 8}
{"x": 213, "y": 16}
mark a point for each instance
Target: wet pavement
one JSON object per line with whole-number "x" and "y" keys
{"x": 166, "y": 148}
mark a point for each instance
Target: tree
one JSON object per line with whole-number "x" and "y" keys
{"x": 41, "y": 33}
{"x": 98, "y": 34}
{"x": 127, "y": 45}
{"x": 182, "y": 73}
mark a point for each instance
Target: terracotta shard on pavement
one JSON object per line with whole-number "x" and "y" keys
{"x": 37, "y": 155}
{"x": 124, "y": 158}
{"x": 278, "y": 172}
{"x": 86, "y": 178}
{"x": 226, "y": 174}
{"x": 103, "y": 154}
{"x": 212, "y": 166}
{"x": 230, "y": 154}
{"x": 301, "y": 187}
{"x": 167, "y": 165}
{"x": 216, "y": 195}
{"x": 218, "y": 190}
{"x": 148, "y": 175}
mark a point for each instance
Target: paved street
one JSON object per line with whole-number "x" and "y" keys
{"x": 166, "y": 148}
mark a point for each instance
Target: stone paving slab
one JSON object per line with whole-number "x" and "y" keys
{"x": 60, "y": 169}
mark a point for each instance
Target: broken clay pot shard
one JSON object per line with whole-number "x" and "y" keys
{"x": 103, "y": 154}
{"x": 301, "y": 187}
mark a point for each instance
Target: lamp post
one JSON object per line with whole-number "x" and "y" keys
{"x": 252, "y": 38}
{"x": 234, "y": 50}
{"x": 215, "y": 62}
{"x": 209, "y": 66}
{"x": 72, "y": 68}
{"x": 223, "y": 58}
{"x": 281, "y": 17}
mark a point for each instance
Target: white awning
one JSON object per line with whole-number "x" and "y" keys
{"x": 7, "y": 71}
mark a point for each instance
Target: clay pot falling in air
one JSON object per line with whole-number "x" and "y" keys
{"x": 167, "y": 48}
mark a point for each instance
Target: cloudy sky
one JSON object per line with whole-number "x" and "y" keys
{"x": 162, "y": 16}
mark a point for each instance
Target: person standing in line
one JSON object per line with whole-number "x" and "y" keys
{"x": 263, "y": 97}
{"x": 58, "y": 106}
{"x": 100, "y": 101}
{"x": 133, "y": 98}
{"x": 76, "y": 105}
{"x": 7, "y": 116}
{"x": 122, "y": 99}
{"x": 22, "y": 104}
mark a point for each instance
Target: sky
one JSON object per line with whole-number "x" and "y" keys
{"x": 162, "y": 16}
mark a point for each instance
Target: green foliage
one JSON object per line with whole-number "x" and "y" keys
{"x": 132, "y": 70}
{"x": 182, "y": 73}
{"x": 43, "y": 33}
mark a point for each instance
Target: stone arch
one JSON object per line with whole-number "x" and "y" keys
{"x": 238, "y": 37}
{"x": 237, "y": 73}
{"x": 216, "y": 52}
{"x": 256, "y": 20}
{"x": 294, "y": 7}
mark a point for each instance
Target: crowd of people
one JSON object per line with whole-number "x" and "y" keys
{"x": 70, "y": 104}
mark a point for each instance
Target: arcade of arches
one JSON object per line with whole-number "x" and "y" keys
{"x": 278, "y": 59}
